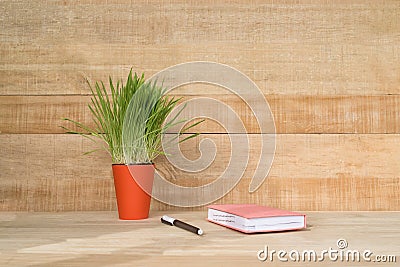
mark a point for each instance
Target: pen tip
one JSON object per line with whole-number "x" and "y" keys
{"x": 200, "y": 232}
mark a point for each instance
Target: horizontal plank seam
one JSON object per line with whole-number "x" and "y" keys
{"x": 185, "y": 94}
{"x": 211, "y": 133}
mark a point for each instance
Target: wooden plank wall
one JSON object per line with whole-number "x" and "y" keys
{"x": 330, "y": 71}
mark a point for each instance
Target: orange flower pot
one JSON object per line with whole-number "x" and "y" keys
{"x": 133, "y": 195}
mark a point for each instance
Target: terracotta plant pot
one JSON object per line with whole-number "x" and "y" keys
{"x": 133, "y": 195}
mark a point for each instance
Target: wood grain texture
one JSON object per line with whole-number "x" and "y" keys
{"x": 295, "y": 47}
{"x": 309, "y": 194}
{"x": 353, "y": 172}
{"x": 100, "y": 239}
{"x": 330, "y": 71}
{"x": 292, "y": 114}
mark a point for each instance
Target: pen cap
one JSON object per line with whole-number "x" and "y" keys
{"x": 168, "y": 219}
{"x": 166, "y": 222}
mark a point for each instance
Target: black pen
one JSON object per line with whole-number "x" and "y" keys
{"x": 174, "y": 222}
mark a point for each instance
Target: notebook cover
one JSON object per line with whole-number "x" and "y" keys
{"x": 251, "y": 211}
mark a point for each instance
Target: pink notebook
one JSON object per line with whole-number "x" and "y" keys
{"x": 250, "y": 218}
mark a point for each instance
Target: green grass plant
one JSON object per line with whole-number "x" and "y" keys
{"x": 131, "y": 120}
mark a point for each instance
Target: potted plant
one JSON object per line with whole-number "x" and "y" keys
{"x": 131, "y": 122}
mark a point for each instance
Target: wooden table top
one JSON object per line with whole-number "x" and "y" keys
{"x": 100, "y": 239}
